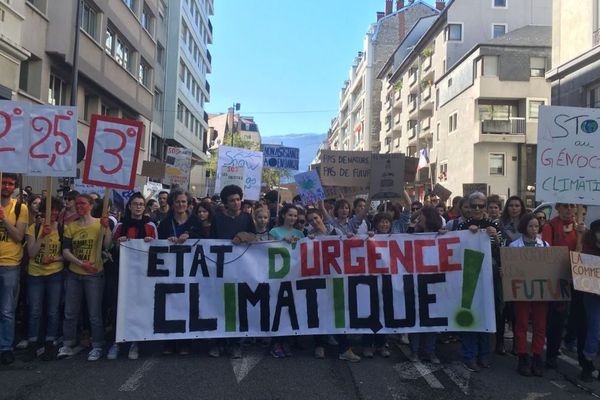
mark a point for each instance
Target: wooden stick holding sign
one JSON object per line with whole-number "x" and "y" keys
{"x": 48, "y": 210}
{"x": 579, "y": 220}
{"x": 112, "y": 160}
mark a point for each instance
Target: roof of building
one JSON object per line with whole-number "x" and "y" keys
{"x": 377, "y": 25}
{"x": 528, "y": 36}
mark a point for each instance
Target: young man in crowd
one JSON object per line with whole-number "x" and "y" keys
{"x": 13, "y": 223}
{"x": 163, "y": 209}
{"x": 272, "y": 199}
{"x": 237, "y": 226}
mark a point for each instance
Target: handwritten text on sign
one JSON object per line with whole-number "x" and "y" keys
{"x": 38, "y": 139}
{"x": 585, "y": 269}
{"x": 391, "y": 283}
{"x": 250, "y": 160}
{"x": 535, "y": 273}
{"x": 280, "y": 157}
{"x": 568, "y": 155}
{"x": 345, "y": 168}
{"x": 112, "y": 152}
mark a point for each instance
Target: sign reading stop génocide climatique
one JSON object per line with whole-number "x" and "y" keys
{"x": 390, "y": 283}
{"x": 568, "y": 156}
{"x": 280, "y": 157}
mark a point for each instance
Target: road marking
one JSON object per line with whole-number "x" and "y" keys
{"x": 459, "y": 375}
{"x": 423, "y": 370}
{"x": 134, "y": 381}
{"x": 558, "y": 385}
{"x": 243, "y": 366}
{"x": 535, "y": 396}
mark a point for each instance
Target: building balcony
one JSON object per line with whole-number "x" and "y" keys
{"x": 210, "y": 29}
{"x": 397, "y": 104}
{"x": 596, "y": 38}
{"x": 426, "y": 99}
{"x": 412, "y": 79}
{"x": 512, "y": 130}
{"x": 412, "y": 105}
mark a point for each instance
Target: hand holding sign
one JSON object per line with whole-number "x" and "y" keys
{"x": 112, "y": 152}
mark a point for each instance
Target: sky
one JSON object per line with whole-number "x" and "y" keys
{"x": 285, "y": 61}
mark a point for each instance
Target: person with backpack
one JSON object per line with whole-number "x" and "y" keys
{"x": 44, "y": 280}
{"x": 13, "y": 223}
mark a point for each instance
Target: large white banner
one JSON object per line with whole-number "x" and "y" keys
{"x": 387, "y": 284}
{"x": 250, "y": 160}
{"x": 568, "y": 161}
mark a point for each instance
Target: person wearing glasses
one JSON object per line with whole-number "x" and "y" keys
{"x": 541, "y": 217}
{"x": 69, "y": 214}
{"x": 476, "y": 345}
{"x": 135, "y": 225}
{"x": 562, "y": 230}
{"x": 416, "y": 206}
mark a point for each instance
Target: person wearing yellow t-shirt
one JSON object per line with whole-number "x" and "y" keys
{"x": 44, "y": 280}
{"x": 80, "y": 245}
{"x": 12, "y": 232}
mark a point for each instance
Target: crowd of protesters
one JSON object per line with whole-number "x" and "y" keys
{"x": 59, "y": 273}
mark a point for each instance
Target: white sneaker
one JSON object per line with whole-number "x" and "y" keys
{"x": 113, "y": 352}
{"x": 134, "y": 352}
{"x": 23, "y": 344}
{"x": 95, "y": 354}
{"x": 349, "y": 355}
{"x": 64, "y": 352}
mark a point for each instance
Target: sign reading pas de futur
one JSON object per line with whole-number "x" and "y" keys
{"x": 345, "y": 168}
{"x": 390, "y": 283}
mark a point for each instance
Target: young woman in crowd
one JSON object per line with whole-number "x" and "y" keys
{"x": 261, "y": 221}
{"x": 424, "y": 343}
{"x": 510, "y": 218}
{"x": 342, "y": 220}
{"x": 85, "y": 275}
{"x": 494, "y": 207}
{"x": 319, "y": 227}
{"x": 177, "y": 227}
{"x": 526, "y": 311}
{"x": 33, "y": 205}
{"x": 463, "y": 211}
{"x": 285, "y": 231}
{"x": 205, "y": 214}
{"x": 45, "y": 279}
{"x": 135, "y": 225}
{"x": 376, "y": 342}
{"x": 476, "y": 345}
{"x": 591, "y": 245}
{"x": 151, "y": 206}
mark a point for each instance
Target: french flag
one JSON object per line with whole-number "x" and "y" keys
{"x": 423, "y": 159}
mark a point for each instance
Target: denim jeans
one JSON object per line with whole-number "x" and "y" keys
{"x": 92, "y": 286}
{"x": 44, "y": 291}
{"x": 592, "y": 311}
{"x": 9, "y": 291}
{"x": 475, "y": 345}
{"x": 422, "y": 341}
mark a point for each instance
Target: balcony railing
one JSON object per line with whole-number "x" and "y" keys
{"x": 512, "y": 126}
{"x": 596, "y": 37}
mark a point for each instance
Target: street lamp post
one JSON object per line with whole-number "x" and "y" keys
{"x": 234, "y": 108}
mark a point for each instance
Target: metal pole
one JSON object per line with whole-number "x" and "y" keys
{"x": 74, "y": 78}
{"x": 232, "y": 123}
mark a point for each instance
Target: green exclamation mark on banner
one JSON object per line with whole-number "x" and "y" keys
{"x": 473, "y": 262}
{"x": 230, "y": 307}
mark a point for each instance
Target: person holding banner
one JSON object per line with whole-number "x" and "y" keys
{"x": 177, "y": 227}
{"x": 524, "y": 311}
{"x": 314, "y": 216}
{"x": 13, "y": 224}
{"x": 84, "y": 276}
{"x": 135, "y": 225}
{"x": 341, "y": 219}
{"x": 231, "y": 224}
{"x": 45, "y": 279}
{"x": 476, "y": 345}
{"x": 285, "y": 231}
{"x": 591, "y": 245}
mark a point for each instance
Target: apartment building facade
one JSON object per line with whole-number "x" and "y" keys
{"x": 223, "y": 124}
{"x": 438, "y": 94}
{"x": 188, "y": 61}
{"x": 575, "y": 73}
{"x": 116, "y": 57}
{"x": 358, "y": 123}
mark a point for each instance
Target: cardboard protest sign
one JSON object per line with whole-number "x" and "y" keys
{"x": 585, "y": 270}
{"x": 345, "y": 168}
{"x": 252, "y": 162}
{"x": 441, "y": 192}
{"x": 232, "y": 176}
{"x": 470, "y": 188}
{"x": 387, "y": 176}
{"x": 14, "y": 136}
{"x": 404, "y": 283}
{"x": 567, "y": 155}
{"x": 309, "y": 187}
{"x": 179, "y": 165}
{"x": 151, "y": 190}
{"x": 341, "y": 192}
{"x": 53, "y": 141}
{"x": 83, "y": 188}
{"x": 112, "y": 152}
{"x": 280, "y": 157}
{"x": 154, "y": 169}
{"x": 535, "y": 273}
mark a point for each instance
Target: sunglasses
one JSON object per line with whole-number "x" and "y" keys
{"x": 478, "y": 206}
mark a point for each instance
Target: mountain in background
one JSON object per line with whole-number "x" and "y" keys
{"x": 308, "y": 143}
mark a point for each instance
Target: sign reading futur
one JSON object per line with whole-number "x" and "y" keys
{"x": 280, "y": 157}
